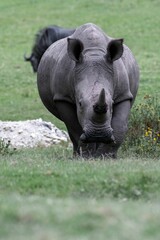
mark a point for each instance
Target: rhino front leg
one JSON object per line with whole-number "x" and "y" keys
{"x": 120, "y": 126}
{"x": 68, "y": 114}
{"x": 120, "y": 121}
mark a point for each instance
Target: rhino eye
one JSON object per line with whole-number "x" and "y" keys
{"x": 80, "y": 103}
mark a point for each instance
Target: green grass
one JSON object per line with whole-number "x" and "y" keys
{"x": 37, "y": 217}
{"x": 45, "y": 193}
{"x": 55, "y": 172}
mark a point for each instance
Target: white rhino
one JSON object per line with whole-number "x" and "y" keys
{"x": 89, "y": 81}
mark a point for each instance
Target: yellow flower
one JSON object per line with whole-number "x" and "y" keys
{"x": 154, "y": 139}
{"x": 146, "y": 134}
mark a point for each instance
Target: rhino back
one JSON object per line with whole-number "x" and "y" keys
{"x": 132, "y": 69}
{"x": 91, "y": 36}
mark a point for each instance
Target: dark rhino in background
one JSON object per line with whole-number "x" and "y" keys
{"x": 44, "y": 38}
{"x": 89, "y": 81}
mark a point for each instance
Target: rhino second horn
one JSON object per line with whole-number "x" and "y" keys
{"x": 101, "y": 106}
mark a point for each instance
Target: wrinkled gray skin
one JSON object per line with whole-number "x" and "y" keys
{"x": 89, "y": 81}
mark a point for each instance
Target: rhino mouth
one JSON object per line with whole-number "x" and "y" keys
{"x": 100, "y": 135}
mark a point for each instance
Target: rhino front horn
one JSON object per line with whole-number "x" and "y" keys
{"x": 100, "y": 106}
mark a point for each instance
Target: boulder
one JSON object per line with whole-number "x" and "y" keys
{"x": 31, "y": 133}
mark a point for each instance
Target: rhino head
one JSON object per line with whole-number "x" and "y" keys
{"x": 93, "y": 88}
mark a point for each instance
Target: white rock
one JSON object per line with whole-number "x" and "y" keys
{"x": 31, "y": 133}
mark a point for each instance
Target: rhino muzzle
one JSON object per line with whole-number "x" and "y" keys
{"x": 98, "y": 135}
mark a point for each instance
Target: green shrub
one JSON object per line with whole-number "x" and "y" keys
{"x": 143, "y": 136}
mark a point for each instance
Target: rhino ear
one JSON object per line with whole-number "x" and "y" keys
{"x": 75, "y": 48}
{"x": 114, "y": 50}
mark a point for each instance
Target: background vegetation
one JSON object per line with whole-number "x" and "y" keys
{"x": 45, "y": 193}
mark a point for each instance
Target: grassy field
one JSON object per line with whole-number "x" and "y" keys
{"x": 46, "y": 194}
